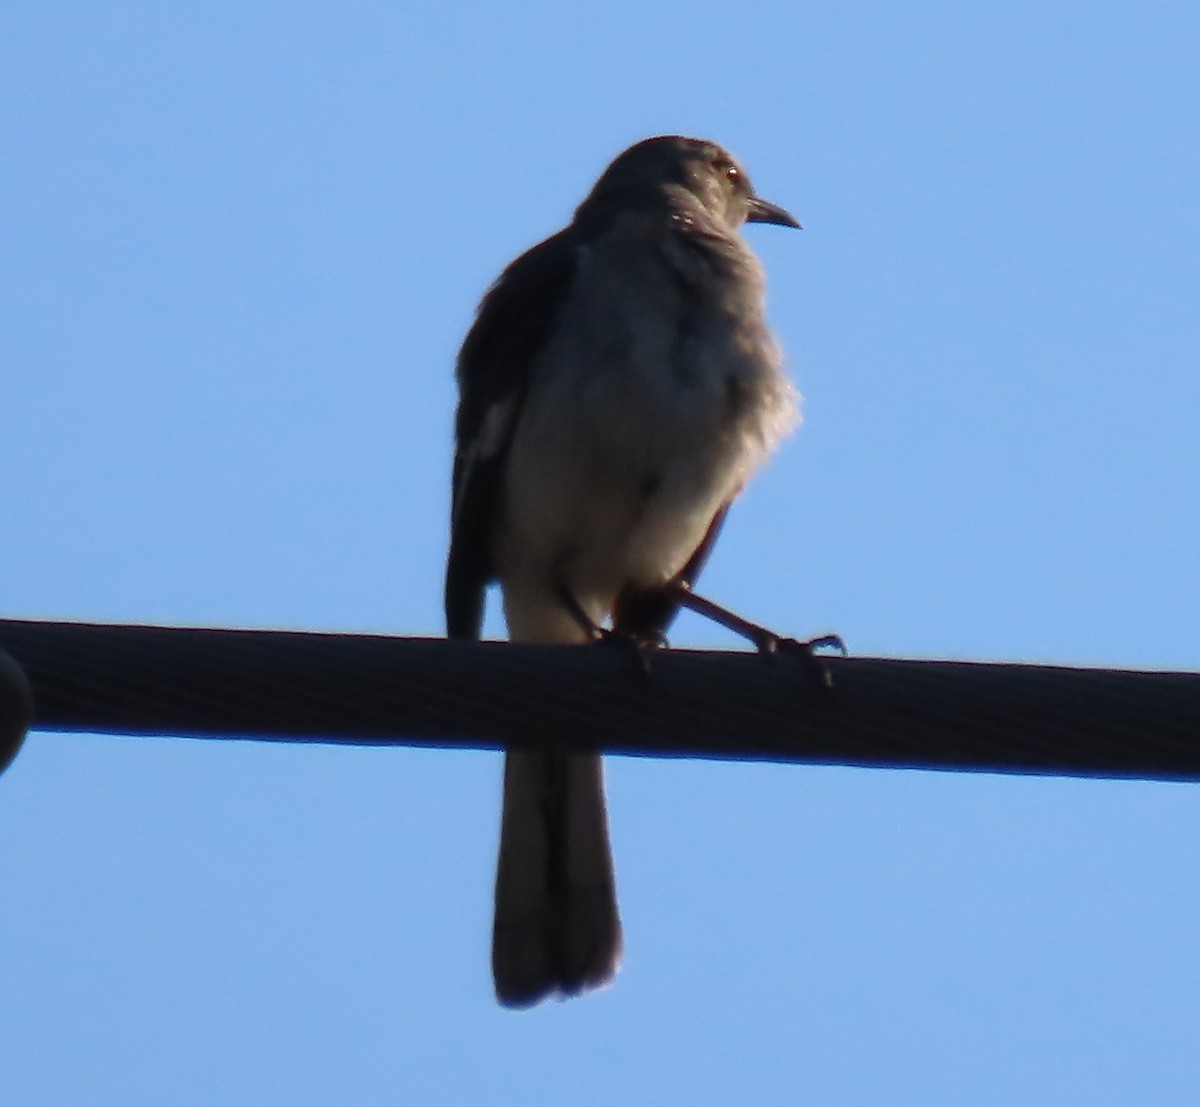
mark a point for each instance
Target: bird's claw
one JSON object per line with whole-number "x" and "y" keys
{"x": 773, "y": 644}
{"x": 637, "y": 646}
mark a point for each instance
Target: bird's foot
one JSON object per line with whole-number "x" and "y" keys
{"x": 806, "y": 651}
{"x": 764, "y": 640}
{"x": 638, "y": 647}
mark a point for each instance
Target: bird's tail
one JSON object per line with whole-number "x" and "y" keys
{"x": 557, "y": 929}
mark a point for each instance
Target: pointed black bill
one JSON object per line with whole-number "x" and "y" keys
{"x": 763, "y": 211}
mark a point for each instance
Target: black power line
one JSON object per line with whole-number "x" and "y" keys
{"x": 16, "y": 708}
{"x": 363, "y": 689}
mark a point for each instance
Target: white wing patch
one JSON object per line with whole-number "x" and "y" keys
{"x": 493, "y": 430}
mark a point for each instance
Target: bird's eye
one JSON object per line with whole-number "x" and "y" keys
{"x": 732, "y": 174}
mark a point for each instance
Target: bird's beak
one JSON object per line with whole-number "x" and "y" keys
{"x": 762, "y": 211}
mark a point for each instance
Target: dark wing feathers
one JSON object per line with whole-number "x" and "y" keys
{"x": 494, "y": 368}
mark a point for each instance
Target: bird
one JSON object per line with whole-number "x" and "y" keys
{"x": 617, "y": 388}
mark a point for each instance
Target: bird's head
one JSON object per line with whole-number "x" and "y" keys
{"x": 682, "y": 174}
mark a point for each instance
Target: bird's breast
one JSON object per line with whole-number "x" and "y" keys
{"x": 655, "y": 398}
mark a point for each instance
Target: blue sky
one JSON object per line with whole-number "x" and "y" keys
{"x": 241, "y": 244}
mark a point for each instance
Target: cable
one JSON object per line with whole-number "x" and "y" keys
{"x": 364, "y": 689}
{"x": 16, "y": 708}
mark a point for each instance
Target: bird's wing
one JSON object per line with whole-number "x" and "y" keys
{"x": 494, "y": 368}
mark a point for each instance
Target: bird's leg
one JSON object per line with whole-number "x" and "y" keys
{"x": 575, "y": 609}
{"x": 639, "y": 644}
{"x": 764, "y": 640}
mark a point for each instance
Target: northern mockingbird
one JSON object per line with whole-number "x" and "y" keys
{"x": 617, "y": 389}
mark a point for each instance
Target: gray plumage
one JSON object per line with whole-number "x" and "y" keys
{"x": 618, "y": 388}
